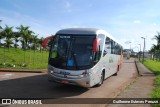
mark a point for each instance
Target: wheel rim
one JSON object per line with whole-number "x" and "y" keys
{"x": 101, "y": 82}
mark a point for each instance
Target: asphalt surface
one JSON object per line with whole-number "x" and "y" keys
{"x": 35, "y": 85}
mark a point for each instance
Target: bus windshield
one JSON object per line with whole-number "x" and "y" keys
{"x": 72, "y": 51}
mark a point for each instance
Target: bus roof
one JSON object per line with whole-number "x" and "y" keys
{"x": 87, "y": 31}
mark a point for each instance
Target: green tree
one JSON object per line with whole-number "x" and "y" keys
{"x": 157, "y": 37}
{"x": 1, "y": 37}
{"x": 35, "y": 45}
{"x": 40, "y": 42}
{"x": 35, "y": 42}
{"x": 153, "y": 50}
{"x": 7, "y": 33}
{"x": 25, "y": 35}
{"x": 16, "y": 39}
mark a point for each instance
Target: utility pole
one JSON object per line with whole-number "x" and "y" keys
{"x": 130, "y": 45}
{"x": 143, "y": 48}
{"x": 139, "y": 51}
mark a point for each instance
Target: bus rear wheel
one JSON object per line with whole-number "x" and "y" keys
{"x": 116, "y": 72}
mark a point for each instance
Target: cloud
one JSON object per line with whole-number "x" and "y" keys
{"x": 154, "y": 24}
{"x": 137, "y": 21}
{"x": 68, "y": 6}
{"x": 134, "y": 35}
{"x": 13, "y": 18}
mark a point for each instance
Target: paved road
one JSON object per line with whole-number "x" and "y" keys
{"x": 35, "y": 85}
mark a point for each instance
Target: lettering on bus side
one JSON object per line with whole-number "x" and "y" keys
{"x": 110, "y": 60}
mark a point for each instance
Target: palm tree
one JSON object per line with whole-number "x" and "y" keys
{"x": 40, "y": 43}
{"x": 1, "y": 37}
{"x": 7, "y": 33}
{"x": 153, "y": 50}
{"x": 25, "y": 35}
{"x": 157, "y": 37}
{"x": 35, "y": 40}
{"x": 30, "y": 41}
{"x": 16, "y": 39}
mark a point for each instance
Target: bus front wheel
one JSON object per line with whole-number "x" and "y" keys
{"x": 101, "y": 79}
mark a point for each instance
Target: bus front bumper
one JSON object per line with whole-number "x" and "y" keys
{"x": 84, "y": 82}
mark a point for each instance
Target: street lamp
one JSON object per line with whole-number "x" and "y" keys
{"x": 139, "y": 51}
{"x": 143, "y": 48}
{"x": 130, "y": 45}
{"x": 134, "y": 53}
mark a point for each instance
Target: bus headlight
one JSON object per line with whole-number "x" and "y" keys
{"x": 85, "y": 73}
{"x": 81, "y": 76}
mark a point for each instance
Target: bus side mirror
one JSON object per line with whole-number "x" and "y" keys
{"x": 45, "y": 41}
{"x": 95, "y": 45}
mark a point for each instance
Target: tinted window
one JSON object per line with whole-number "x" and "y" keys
{"x": 107, "y": 47}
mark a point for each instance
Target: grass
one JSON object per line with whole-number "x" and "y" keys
{"x": 154, "y": 66}
{"x": 34, "y": 60}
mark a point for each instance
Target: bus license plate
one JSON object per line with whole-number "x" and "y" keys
{"x": 65, "y": 82}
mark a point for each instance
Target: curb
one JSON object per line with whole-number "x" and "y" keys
{"x": 24, "y": 70}
{"x": 142, "y": 70}
{"x": 138, "y": 71}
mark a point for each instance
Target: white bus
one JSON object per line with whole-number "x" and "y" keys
{"x": 83, "y": 56}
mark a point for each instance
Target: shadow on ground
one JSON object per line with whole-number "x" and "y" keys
{"x": 37, "y": 87}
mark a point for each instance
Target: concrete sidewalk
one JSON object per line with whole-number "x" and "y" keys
{"x": 141, "y": 88}
{"x": 142, "y": 70}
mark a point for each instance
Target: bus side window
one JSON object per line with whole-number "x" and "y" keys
{"x": 53, "y": 49}
{"x": 112, "y": 47}
{"x": 121, "y": 50}
{"x": 117, "y": 49}
{"x": 107, "y": 48}
{"x": 97, "y": 55}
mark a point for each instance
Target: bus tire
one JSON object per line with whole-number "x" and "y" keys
{"x": 116, "y": 72}
{"x": 101, "y": 80}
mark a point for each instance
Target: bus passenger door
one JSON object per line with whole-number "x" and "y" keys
{"x": 101, "y": 46}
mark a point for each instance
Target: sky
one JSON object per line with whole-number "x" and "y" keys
{"x": 126, "y": 20}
